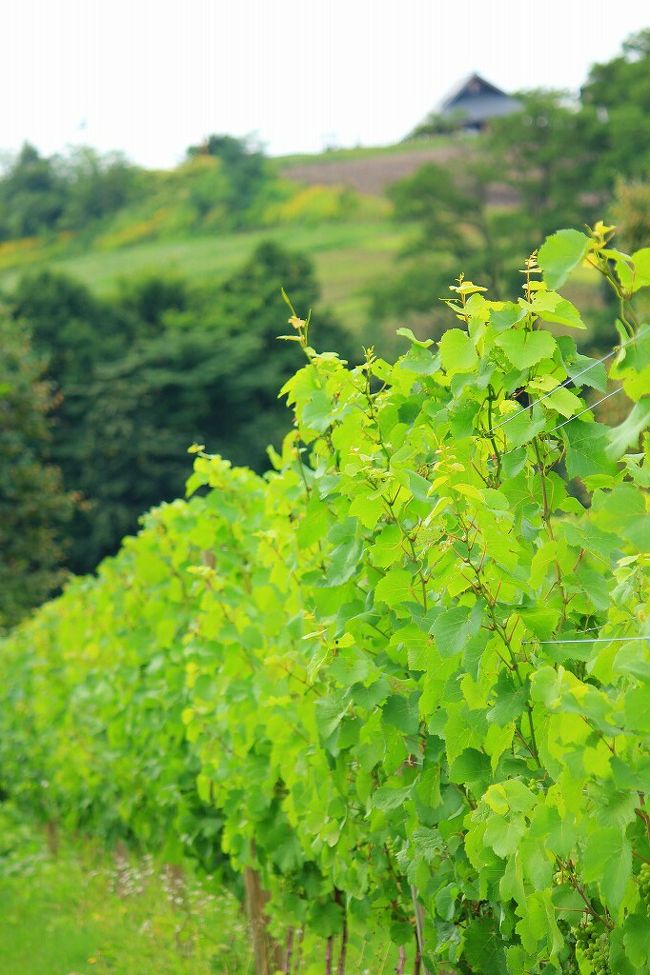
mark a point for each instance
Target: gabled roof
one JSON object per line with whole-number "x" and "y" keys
{"x": 475, "y": 101}
{"x": 470, "y": 87}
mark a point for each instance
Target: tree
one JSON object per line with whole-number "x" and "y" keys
{"x": 148, "y": 298}
{"x": 631, "y": 214}
{"x": 546, "y": 153}
{"x": 74, "y": 333}
{"x": 617, "y": 93}
{"x": 32, "y": 195}
{"x": 244, "y": 165}
{"x": 96, "y": 186}
{"x": 34, "y": 508}
{"x": 70, "y": 326}
{"x": 160, "y": 366}
{"x": 455, "y": 226}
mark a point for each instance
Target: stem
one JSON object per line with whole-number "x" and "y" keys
{"x": 419, "y": 927}
{"x": 340, "y": 970}
{"x": 289, "y": 952}
{"x": 497, "y": 453}
{"x": 301, "y": 936}
{"x": 418, "y": 956}
{"x": 328, "y": 955}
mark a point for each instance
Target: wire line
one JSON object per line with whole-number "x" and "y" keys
{"x": 570, "y": 379}
{"x": 587, "y": 409}
{"x": 599, "y": 639}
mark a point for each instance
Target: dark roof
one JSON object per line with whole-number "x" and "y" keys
{"x": 477, "y": 100}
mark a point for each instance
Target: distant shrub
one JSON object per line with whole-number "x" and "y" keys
{"x": 631, "y": 214}
{"x": 135, "y": 233}
{"x": 311, "y": 205}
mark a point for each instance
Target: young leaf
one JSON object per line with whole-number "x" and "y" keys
{"x": 526, "y": 349}
{"x": 560, "y": 254}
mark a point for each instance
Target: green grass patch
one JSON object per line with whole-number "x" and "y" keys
{"x": 363, "y": 152}
{"x": 87, "y": 911}
{"x": 347, "y": 256}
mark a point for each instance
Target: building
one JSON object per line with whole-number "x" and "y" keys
{"x": 475, "y": 101}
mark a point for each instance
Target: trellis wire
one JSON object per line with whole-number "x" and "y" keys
{"x": 599, "y": 639}
{"x": 587, "y": 409}
{"x": 570, "y": 379}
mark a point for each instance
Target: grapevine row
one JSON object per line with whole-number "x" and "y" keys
{"x": 403, "y": 679}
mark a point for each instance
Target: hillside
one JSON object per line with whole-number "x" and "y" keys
{"x": 348, "y": 256}
{"x": 329, "y": 206}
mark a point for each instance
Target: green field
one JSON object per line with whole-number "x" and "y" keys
{"x": 348, "y": 256}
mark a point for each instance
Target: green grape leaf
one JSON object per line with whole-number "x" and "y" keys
{"x": 626, "y": 434}
{"x": 564, "y": 401}
{"x": 317, "y": 411}
{"x": 387, "y": 798}
{"x": 407, "y": 333}
{"x": 509, "y": 701}
{"x": 641, "y": 273}
{"x": 560, "y": 254}
{"x": 552, "y": 307}
{"x": 454, "y": 627}
{"x": 402, "y": 713}
{"x": 587, "y": 445}
{"x": 526, "y": 349}
{"x": 420, "y": 361}
{"x": 636, "y": 938}
{"x": 395, "y": 587}
{"x": 607, "y": 861}
{"x": 507, "y": 315}
{"x": 457, "y": 352}
{"x": 483, "y": 948}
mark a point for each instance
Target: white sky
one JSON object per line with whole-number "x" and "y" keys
{"x": 150, "y": 77}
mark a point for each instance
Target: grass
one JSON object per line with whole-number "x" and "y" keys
{"x": 362, "y": 152}
{"x": 348, "y": 256}
{"x": 86, "y": 911}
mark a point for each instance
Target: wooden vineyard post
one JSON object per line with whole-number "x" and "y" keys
{"x": 268, "y": 957}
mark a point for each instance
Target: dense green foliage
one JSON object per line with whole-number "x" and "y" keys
{"x": 618, "y": 94}
{"x": 245, "y": 169}
{"x": 403, "y": 676}
{"x": 33, "y": 506}
{"x": 141, "y": 375}
{"x": 40, "y": 194}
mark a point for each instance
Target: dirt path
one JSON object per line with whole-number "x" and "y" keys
{"x": 373, "y": 174}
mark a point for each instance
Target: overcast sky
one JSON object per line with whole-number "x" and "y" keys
{"x": 150, "y": 77}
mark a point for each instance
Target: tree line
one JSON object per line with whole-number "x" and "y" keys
{"x": 44, "y": 195}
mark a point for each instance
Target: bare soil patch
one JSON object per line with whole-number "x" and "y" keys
{"x": 372, "y": 175}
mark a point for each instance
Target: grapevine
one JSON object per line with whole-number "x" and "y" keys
{"x": 399, "y": 683}
{"x": 644, "y": 885}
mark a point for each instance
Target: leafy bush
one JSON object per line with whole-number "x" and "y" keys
{"x": 312, "y": 205}
{"x": 631, "y": 214}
